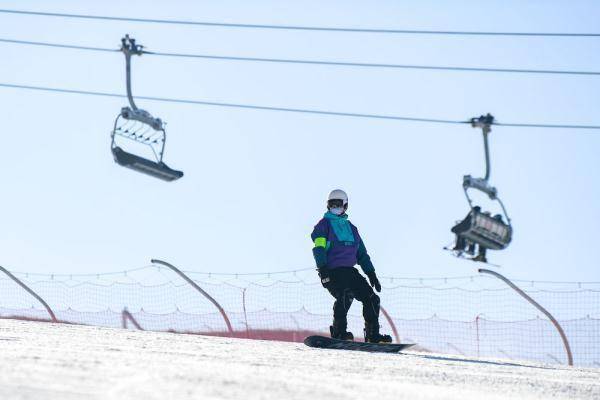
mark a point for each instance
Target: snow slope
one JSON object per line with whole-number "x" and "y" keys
{"x": 57, "y": 361}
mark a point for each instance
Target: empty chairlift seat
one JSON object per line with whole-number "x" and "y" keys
{"x": 139, "y": 129}
{"x": 148, "y": 133}
{"x": 155, "y": 169}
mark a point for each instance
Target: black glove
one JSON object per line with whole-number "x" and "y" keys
{"x": 324, "y": 277}
{"x": 374, "y": 281}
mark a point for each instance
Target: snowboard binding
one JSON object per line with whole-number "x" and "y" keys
{"x": 372, "y": 334}
{"x": 342, "y": 334}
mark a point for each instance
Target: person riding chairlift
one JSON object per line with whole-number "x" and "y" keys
{"x": 462, "y": 244}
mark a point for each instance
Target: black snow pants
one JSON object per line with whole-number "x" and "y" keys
{"x": 346, "y": 285}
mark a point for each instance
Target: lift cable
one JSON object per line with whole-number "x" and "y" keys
{"x": 312, "y": 62}
{"x": 58, "y": 45}
{"x": 302, "y": 28}
{"x": 295, "y": 110}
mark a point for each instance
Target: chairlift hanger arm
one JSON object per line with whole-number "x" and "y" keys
{"x": 129, "y": 47}
{"x": 485, "y": 123}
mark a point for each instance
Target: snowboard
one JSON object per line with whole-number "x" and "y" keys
{"x": 323, "y": 342}
{"x": 461, "y": 256}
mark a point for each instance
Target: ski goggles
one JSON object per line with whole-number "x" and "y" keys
{"x": 335, "y": 203}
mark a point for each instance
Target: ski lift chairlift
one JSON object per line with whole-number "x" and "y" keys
{"x": 480, "y": 228}
{"x": 140, "y": 126}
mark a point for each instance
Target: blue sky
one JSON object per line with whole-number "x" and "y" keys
{"x": 256, "y": 181}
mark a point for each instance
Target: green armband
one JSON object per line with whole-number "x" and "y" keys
{"x": 321, "y": 242}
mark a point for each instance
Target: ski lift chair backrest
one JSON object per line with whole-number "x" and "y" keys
{"x": 488, "y": 231}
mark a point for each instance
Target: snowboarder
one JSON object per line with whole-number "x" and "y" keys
{"x": 337, "y": 249}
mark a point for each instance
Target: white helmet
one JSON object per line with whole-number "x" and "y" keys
{"x": 338, "y": 195}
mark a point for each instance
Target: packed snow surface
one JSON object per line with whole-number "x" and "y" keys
{"x": 58, "y": 361}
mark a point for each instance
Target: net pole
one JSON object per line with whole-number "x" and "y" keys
{"x": 391, "y": 322}
{"x": 126, "y": 316}
{"x": 31, "y": 292}
{"x": 245, "y": 314}
{"x": 199, "y": 289}
{"x": 538, "y": 306}
{"x": 477, "y": 330}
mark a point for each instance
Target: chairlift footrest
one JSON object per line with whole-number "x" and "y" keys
{"x": 158, "y": 170}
